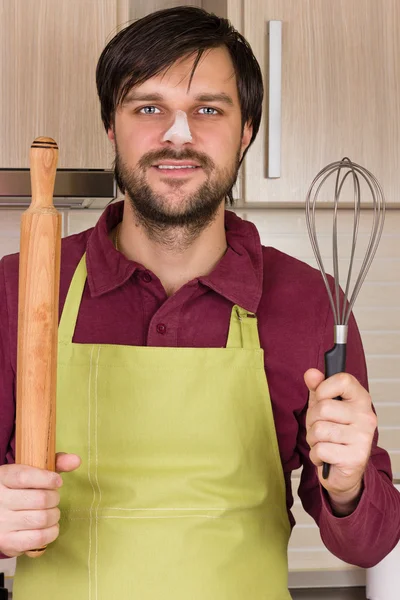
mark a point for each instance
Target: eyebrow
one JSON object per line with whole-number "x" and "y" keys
{"x": 155, "y": 97}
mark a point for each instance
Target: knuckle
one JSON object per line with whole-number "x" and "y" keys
{"x": 52, "y": 534}
{"x": 20, "y": 478}
{"x": 324, "y": 409}
{"x": 46, "y": 499}
{"x": 55, "y": 516}
{"x": 360, "y": 457}
{"x": 35, "y": 539}
{"x": 32, "y": 540}
{"x": 344, "y": 379}
{"x": 319, "y": 430}
{"x": 372, "y": 420}
{"x": 365, "y": 450}
{"x": 36, "y": 519}
{"x": 41, "y": 499}
{"x": 314, "y": 456}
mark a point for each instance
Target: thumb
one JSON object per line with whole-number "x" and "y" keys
{"x": 67, "y": 462}
{"x": 312, "y": 379}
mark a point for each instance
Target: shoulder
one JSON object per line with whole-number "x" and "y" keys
{"x": 283, "y": 269}
{"x": 293, "y": 295}
{"x": 291, "y": 278}
{"x": 72, "y": 249}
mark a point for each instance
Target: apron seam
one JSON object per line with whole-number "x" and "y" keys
{"x": 96, "y": 472}
{"x": 89, "y": 560}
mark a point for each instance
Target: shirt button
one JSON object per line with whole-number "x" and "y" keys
{"x": 146, "y": 277}
{"x": 161, "y": 328}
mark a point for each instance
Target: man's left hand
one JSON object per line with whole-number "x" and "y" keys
{"x": 339, "y": 433}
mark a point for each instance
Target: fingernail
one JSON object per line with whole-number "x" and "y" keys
{"x": 59, "y": 481}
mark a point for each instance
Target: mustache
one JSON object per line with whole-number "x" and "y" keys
{"x": 147, "y": 160}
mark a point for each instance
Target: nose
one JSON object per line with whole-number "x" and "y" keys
{"x": 179, "y": 133}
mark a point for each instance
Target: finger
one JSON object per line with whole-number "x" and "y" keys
{"x": 330, "y": 410}
{"x": 327, "y": 431}
{"x": 333, "y": 454}
{"x": 347, "y": 459}
{"x": 30, "y": 499}
{"x": 18, "y": 542}
{"x": 344, "y": 385}
{"x": 312, "y": 379}
{"x": 32, "y": 519}
{"x": 25, "y": 477}
{"x": 66, "y": 463}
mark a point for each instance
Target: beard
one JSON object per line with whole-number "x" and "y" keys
{"x": 190, "y": 213}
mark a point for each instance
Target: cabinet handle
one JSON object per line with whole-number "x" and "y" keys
{"x": 274, "y": 99}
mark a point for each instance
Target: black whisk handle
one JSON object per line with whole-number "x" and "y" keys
{"x": 335, "y": 362}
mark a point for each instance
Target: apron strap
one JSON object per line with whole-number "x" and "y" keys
{"x": 243, "y": 329}
{"x": 70, "y": 311}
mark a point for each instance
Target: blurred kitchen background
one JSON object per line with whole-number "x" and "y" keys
{"x": 339, "y": 95}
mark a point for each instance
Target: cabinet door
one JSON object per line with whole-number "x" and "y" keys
{"x": 340, "y": 92}
{"x": 48, "y": 55}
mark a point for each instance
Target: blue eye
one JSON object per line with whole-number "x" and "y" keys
{"x": 209, "y": 110}
{"x": 149, "y": 110}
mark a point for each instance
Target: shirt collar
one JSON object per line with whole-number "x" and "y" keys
{"x": 238, "y": 276}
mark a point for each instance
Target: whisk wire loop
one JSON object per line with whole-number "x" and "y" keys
{"x": 354, "y": 171}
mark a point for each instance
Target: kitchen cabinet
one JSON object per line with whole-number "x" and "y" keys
{"x": 340, "y": 92}
{"x": 48, "y": 55}
{"x": 141, "y": 8}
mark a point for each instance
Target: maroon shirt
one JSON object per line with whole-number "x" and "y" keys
{"x": 124, "y": 303}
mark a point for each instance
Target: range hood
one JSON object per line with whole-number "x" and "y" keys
{"x": 74, "y": 188}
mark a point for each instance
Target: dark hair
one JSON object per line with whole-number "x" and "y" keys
{"x": 150, "y": 45}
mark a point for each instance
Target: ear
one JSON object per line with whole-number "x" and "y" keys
{"x": 111, "y": 136}
{"x": 246, "y": 137}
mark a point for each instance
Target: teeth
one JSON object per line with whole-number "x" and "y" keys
{"x": 176, "y": 167}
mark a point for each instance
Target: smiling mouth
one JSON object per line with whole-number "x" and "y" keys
{"x": 176, "y": 170}
{"x": 165, "y": 167}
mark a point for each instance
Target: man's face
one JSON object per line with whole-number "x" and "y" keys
{"x": 181, "y": 196}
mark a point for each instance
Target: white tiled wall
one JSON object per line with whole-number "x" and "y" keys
{"x": 377, "y": 311}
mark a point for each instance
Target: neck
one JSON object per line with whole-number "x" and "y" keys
{"x": 179, "y": 254}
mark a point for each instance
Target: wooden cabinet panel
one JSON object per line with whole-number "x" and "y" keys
{"x": 48, "y": 55}
{"x": 340, "y": 91}
{"x": 141, "y": 8}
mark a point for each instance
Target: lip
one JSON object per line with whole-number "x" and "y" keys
{"x": 177, "y": 173}
{"x": 176, "y": 163}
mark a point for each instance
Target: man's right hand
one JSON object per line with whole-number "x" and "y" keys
{"x": 29, "y": 499}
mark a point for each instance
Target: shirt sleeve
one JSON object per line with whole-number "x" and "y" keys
{"x": 7, "y": 377}
{"x": 375, "y": 523}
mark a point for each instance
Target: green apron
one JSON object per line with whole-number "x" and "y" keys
{"x": 180, "y": 495}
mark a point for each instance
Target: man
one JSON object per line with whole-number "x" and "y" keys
{"x": 173, "y": 317}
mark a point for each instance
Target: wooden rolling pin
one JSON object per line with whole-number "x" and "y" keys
{"x": 39, "y": 281}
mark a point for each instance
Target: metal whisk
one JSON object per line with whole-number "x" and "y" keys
{"x": 335, "y": 358}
